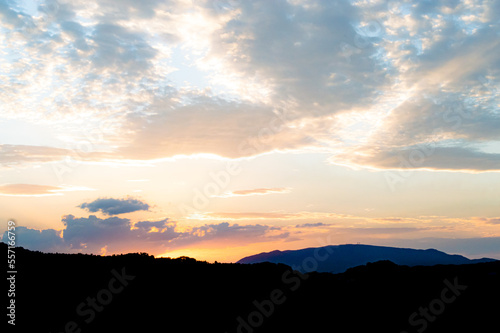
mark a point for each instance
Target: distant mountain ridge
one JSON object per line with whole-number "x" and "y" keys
{"x": 339, "y": 258}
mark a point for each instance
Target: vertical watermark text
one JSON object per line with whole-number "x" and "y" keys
{"x": 11, "y": 271}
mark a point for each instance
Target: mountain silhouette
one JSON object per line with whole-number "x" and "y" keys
{"x": 135, "y": 292}
{"x": 338, "y": 258}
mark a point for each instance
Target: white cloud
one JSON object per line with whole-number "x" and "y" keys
{"x": 392, "y": 70}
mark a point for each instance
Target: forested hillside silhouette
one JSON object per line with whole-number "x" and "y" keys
{"x": 138, "y": 293}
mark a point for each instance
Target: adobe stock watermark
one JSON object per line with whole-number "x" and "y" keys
{"x": 454, "y": 116}
{"x": 221, "y": 179}
{"x": 89, "y": 309}
{"x": 291, "y": 280}
{"x": 50, "y": 7}
{"x": 420, "y": 319}
{"x": 395, "y": 7}
{"x": 489, "y": 85}
{"x": 222, "y": 6}
{"x": 363, "y": 39}
{"x": 82, "y": 149}
{"x": 11, "y": 271}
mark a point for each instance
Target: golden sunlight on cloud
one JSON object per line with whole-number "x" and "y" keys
{"x": 257, "y": 191}
{"x": 33, "y": 190}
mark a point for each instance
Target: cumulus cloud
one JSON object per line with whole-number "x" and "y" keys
{"x": 110, "y": 206}
{"x": 86, "y": 232}
{"x": 91, "y": 234}
{"x": 42, "y": 240}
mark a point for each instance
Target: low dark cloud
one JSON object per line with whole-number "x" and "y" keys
{"x": 110, "y": 206}
{"x": 84, "y": 232}
{"x": 91, "y": 234}
{"x": 41, "y": 240}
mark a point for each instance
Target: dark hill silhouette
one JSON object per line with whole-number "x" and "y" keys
{"x": 138, "y": 293}
{"x": 338, "y": 258}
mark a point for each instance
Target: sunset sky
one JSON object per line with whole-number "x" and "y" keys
{"x": 220, "y": 129}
